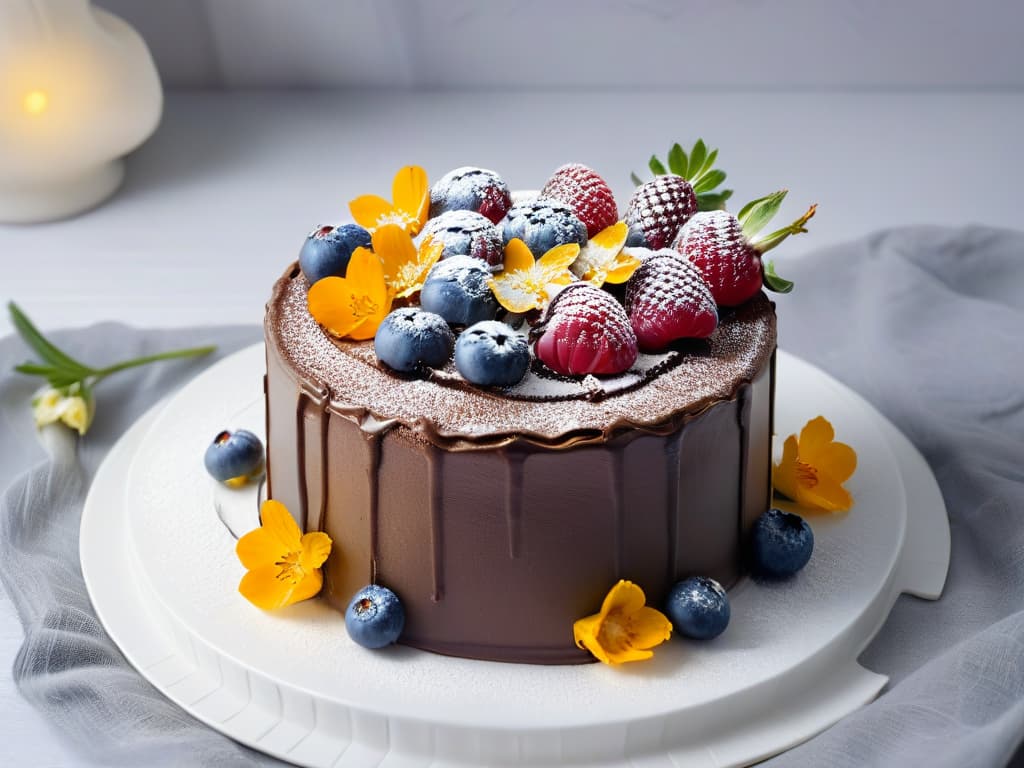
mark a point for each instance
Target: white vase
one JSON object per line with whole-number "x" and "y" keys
{"x": 78, "y": 91}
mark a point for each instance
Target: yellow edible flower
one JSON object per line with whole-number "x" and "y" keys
{"x": 523, "y": 284}
{"x": 74, "y": 407}
{"x": 411, "y": 195}
{"x": 283, "y": 564}
{"x": 625, "y": 629}
{"x": 352, "y": 306}
{"x": 405, "y": 266}
{"x": 602, "y": 260}
{"x": 814, "y": 468}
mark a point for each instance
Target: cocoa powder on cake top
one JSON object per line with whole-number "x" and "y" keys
{"x": 657, "y": 395}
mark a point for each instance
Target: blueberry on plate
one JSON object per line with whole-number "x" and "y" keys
{"x": 234, "y": 457}
{"x": 375, "y": 617}
{"x": 781, "y": 544}
{"x": 698, "y": 608}
{"x": 410, "y": 338}
{"x": 457, "y": 290}
{"x": 327, "y": 250}
{"x": 492, "y": 354}
{"x": 543, "y": 224}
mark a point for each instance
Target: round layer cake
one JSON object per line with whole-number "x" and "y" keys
{"x": 501, "y": 518}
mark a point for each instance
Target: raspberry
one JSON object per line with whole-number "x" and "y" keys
{"x": 586, "y": 193}
{"x": 585, "y": 331}
{"x": 667, "y": 299}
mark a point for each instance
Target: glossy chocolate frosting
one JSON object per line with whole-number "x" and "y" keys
{"x": 501, "y": 517}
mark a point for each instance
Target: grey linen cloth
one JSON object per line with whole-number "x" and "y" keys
{"x": 926, "y": 323}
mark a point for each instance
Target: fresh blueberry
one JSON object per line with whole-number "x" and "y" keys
{"x": 636, "y": 237}
{"x": 375, "y": 617}
{"x": 234, "y": 457}
{"x": 327, "y": 250}
{"x": 466, "y": 233}
{"x": 410, "y": 338}
{"x": 492, "y": 354}
{"x": 457, "y": 290}
{"x": 471, "y": 189}
{"x": 781, "y": 544}
{"x": 698, "y": 608}
{"x": 543, "y": 224}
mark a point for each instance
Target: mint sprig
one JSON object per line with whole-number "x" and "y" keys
{"x": 64, "y": 372}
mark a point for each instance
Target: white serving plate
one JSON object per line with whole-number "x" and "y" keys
{"x": 162, "y": 574}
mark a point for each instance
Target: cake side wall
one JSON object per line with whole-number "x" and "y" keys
{"x": 495, "y": 553}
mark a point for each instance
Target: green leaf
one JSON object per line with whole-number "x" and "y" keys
{"x": 677, "y": 161}
{"x": 709, "y": 181}
{"x": 775, "y": 283}
{"x": 756, "y": 214}
{"x": 698, "y": 155}
{"x": 656, "y": 167}
{"x": 713, "y": 201}
{"x": 46, "y": 350}
{"x": 635, "y": 179}
{"x": 34, "y": 369}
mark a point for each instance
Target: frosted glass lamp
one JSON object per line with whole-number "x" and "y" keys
{"x": 78, "y": 91}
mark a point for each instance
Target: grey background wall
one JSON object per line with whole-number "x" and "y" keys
{"x": 551, "y": 43}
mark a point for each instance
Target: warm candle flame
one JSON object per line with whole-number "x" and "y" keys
{"x": 35, "y": 102}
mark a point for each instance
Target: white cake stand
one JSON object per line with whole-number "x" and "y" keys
{"x": 162, "y": 575}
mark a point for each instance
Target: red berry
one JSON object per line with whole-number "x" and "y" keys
{"x": 586, "y": 193}
{"x": 714, "y": 242}
{"x": 660, "y": 207}
{"x": 585, "y": 330}
{"x": 667, "y": 299}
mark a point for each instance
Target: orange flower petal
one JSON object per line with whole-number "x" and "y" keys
{"x": 827, "y": 494}
{"x": 624, "y": 596}
{"x": 316, "y": 546}
{"x": 257, "y": 548}
{"x": 331, "y": 303}
{"x": 816, "y": 434}
{"x": 411, "y": 194}
{"x": 611, "y": 238}
{"x": 558, "y": 258}
{"x": 369, "y": 210}
{"x": 279, "y": 524}
{"x": 649, "y": 627}
{"x": 518, "y": 257}
{"x": 784, "y": 476}
{"x": 262, "y": 587}
{"x": 837, "y": 461}
{"x": 394, "y": 247}
{"x": 624, "y": 268}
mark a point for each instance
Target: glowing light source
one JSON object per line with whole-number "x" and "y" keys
{"x": 35, "y": 102}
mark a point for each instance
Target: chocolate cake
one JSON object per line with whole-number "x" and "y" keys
{"x": 500, "y": 518}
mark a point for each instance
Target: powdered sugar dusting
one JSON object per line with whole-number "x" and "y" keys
{"x": 656, "y": 389}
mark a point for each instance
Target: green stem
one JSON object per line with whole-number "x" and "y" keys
{"x": 768, "y": 242}
{"x": 135, "y": 363}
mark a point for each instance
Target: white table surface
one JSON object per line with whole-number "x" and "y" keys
{"x": 218, "y": 202}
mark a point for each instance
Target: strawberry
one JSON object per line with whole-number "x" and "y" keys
{"x": 723, "y": 249}
{"x": 586, "y": 193}
{"x": 660, "y": 207}
{"x": 667, "y": 299}
{"x": 585, "y": 330}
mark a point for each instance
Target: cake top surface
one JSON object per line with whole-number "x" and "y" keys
{"x": 655, "y": 394}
